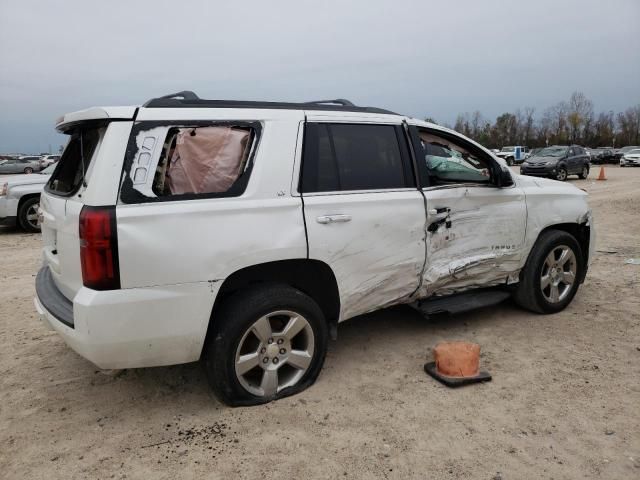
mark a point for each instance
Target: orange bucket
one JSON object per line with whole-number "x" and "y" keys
{"x": 457, "y": 359}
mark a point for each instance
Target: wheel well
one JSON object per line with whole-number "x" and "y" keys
{"x": 313, "y": 277}
{"x": 26, "y": 197}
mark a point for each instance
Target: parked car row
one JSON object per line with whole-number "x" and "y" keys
{"x": 625, "y": 156}
{"x": 27, "y": 163}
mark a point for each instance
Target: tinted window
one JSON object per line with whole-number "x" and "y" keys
{"x": 353, "y": 157}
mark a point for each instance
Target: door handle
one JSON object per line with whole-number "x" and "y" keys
{"x": 442, "y": 217}
{"x": 438, "y": 211}
{"x": 340, "y": 218}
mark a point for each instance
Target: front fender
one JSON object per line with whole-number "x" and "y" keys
{"x": 18, "y": 191}
{"x": 550, "y": 203}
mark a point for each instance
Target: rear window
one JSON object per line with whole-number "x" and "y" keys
{"x": 71, "y": 170}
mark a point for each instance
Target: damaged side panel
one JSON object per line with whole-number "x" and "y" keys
{"x": 479, "y": 239}
{"x": 377, "y": 255}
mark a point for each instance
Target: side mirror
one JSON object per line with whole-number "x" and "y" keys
{"x": 504, "y": 178}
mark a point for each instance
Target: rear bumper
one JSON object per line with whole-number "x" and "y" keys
{"x": 129, "y": 328}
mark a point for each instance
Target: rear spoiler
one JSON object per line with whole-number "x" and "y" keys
{"x": 67, "y": 122}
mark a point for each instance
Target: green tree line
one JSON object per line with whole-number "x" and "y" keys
{"x": 572, "y": 121}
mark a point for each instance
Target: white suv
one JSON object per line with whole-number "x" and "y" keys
{"x": 242, "y": 233}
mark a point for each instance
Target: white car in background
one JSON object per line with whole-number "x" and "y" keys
{"x": 20, "y": 199}
{"x": 47, "y": 160}
{"x": 631, "y": 158}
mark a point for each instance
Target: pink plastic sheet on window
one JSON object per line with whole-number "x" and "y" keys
{"x": 206, "y": 159}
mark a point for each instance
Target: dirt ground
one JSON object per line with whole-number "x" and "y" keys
{"x": 564, "y": 401}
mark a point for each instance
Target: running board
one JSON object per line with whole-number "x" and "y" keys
{"x": 461, "y": 302}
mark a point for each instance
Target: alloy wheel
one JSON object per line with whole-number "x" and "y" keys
{"x": 32, "y": 216}
{"x": 558, "y": 274}
{"x": 274, "y": 353}
{"x": 561, "y": 175}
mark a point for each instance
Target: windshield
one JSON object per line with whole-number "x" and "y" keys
{"x": 508, "y": 149}
{"x": 552, "y": 152}
{"x": 49, "y": 170}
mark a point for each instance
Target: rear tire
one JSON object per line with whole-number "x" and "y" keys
{"x": 249, "y": 342}
{"x": 547, "y": 272}
{"x": 28, "y": 170}
{"x": 28, "y": 215}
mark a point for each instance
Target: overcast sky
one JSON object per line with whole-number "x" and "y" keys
{"x": 421, "y": 58}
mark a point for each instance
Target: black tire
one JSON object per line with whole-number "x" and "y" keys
{"x": 529, "y": 293}
{"x": 510, "y": 161}
{"x": 585, "y": 172}
{"x": 28, "y": 170}
{"x": 235, "y": 317}
{"x": 26, "y": 210}
{"x": 561, "y": 174}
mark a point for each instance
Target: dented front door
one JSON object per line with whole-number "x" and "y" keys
{"x": 480, "y": 238}
{"x": 475, "y": 230}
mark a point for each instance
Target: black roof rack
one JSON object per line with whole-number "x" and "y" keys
{"x": 189, "y": 99}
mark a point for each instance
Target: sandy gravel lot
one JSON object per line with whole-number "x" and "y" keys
{"x": 564, "y": 402}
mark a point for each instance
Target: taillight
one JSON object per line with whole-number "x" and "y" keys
{"x": 99, "y": 248}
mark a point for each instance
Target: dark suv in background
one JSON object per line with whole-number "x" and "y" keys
{"x": 557, "y": 162}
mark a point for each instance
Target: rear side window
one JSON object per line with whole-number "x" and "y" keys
{"x": 74, "y": 162}
{"x": 201, "y": 160}
{"x": 344, "y": 157}
{"x": 168, "y": 162}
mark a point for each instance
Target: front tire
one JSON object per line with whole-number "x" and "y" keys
{"x": 561, "y": 174}
{"x": 28, "y": 170}
{"x": 510, "y": 161}
{"x": 28, "y": 215}
{"x": 267, "y": 343}
{"x": 552, "y": 274}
